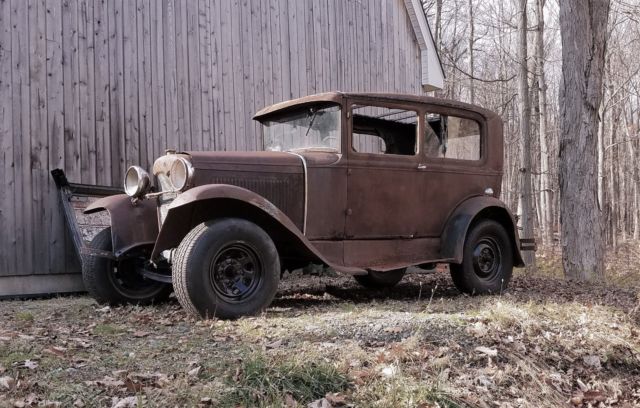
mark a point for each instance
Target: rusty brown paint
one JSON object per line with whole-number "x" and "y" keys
{"x": 364, "y": 211}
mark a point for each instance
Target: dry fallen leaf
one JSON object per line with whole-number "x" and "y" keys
{"x": 128, "y": 402}
{"x": 336, "y": 400}
{"x": 290, "y": 402}
{"x": 321, "y": 403}
{"x": 592, "y": 361}
{"x": 194, "y": 371}
{"x": 206, "y": 401}
{"x": 7, "y": 383}
{"x": 488, "y": 351}
{"x": 56, "y": 351}
{"x": 30, "y": 364}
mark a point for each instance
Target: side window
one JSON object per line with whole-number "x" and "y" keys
{"x": 451, "y": 137}
{"x": 381, "y": 130}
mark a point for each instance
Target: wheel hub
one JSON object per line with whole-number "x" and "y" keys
{"x": 486, "y": 258}
{"x": 235, "y": 272}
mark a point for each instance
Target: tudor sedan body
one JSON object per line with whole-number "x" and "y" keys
{"x": 366, "y": 184}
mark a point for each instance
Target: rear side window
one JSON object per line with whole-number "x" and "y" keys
{"x": 452, "y": 137}
{"x": 380, "y": 130}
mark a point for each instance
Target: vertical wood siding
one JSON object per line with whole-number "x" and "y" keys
{"x": 92, "y": 86}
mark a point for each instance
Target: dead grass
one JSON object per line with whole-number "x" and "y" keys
{"x": 545, "y": 343}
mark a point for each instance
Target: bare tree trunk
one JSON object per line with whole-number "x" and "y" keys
{"x": 472, "y": 91}
{"x": 439, "y": 25}
{"x": 525, "y": 137}
{"x": 545, "y": 187}
{"x": 583, "y": 27}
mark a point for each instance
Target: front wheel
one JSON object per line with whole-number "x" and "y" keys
{"x": 487, "y": 262}
{"x": 119, "y": 282}
{"x": 226, "y": 268}
{"x": 381, "y": 280}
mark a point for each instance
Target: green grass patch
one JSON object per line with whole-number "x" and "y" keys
{"x": 25, "y": 317}
{"x": 106, "y": 329}
{"x": 265, "y": 381}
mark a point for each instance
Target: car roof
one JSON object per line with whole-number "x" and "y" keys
{"x": 339, "y": 97}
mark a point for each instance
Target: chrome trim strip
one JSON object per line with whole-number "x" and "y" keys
{"x": 306, "y": 190}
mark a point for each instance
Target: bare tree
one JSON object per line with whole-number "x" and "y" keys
{"x": 583, "y": 26}
{"x": 526, "y": 193}
{"x": 546, "y": 226}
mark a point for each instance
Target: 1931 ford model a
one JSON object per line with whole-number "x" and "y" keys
{"x": 368, "y": 184}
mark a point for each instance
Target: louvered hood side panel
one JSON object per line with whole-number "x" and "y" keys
{"x": 284, "y": 189}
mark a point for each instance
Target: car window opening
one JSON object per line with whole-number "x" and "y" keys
{"x": 379, "y": 130}
{"x": 451, "y": 137}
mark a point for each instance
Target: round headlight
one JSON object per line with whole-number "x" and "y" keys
{"x": 136, "y": 182}
{"x": 180, "y": 174}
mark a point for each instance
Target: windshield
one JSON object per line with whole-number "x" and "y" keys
{"x": 310, "y": 128}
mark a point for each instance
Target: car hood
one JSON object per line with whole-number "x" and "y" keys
{"x": 216, "y": 160}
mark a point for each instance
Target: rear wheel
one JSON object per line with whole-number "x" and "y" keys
{"x": 226, "y": 268}
{"x": 380, "y": 280}
{"x": 487, "y": 262}
{"x": 118, "y": 282}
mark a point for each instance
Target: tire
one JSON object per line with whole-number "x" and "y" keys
{"x": 487, "y": 261}
{"x": 117, "y": 282}
{"x": 381, "y": 280}
{"x": 226, "y": 268}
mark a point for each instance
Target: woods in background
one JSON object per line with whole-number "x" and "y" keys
{"x": 584, "y": 138}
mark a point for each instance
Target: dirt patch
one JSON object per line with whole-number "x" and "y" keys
{"x": 545, "y": 342}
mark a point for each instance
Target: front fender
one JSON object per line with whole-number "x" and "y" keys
{"x": 465, "y": 214}
{"x": 132, "y": 225}
{"x": 204, "y": 203}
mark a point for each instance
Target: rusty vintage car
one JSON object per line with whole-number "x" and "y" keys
{"x": 367, "y": 184}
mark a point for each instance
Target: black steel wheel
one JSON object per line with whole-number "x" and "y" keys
{"x": 118, "y": 282}
{"x": 226, "y": 268}
{"x": 487, "y": 262}
{"x": 235, "y": 272}
{"x": 380, "y": 280}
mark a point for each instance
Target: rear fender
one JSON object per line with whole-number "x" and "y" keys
{"x": 204, "y": 203}
{"x": 467, "y": 213}
{"x": 133, "y": 225}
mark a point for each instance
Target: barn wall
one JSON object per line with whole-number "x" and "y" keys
{"x": 92, "y": 86}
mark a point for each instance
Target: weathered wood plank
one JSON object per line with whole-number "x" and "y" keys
{"x": 216, "y": 70}
{"x": 193, "y": 72}
{"x": 159, "y": 136}
{"x": 8, "y": 247}
{"x": 246, "y": 45}
{"x": 132, "y": 152}
{"x": 257, "y": 79}
{"x": 238, "y": 132}
{"x": 182, "y": 76}
{"x": 204, "y": 41}
{"x": 86, "y": 92}
{"x": 21, "y": 136}
{"x": 39, "y": 155}
{"x": 55, "y": 134}
{"x": 145, "y": 114}
{"x": 170, "y": 74}
{"x": 101, "y": 81}
{"x": 116, "y": 94}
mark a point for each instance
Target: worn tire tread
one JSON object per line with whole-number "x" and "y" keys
{"x": 179, "y": 269}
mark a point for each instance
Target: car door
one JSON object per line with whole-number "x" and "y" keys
{"x": 382, "y": 165}
{"x": 456, "y": 164}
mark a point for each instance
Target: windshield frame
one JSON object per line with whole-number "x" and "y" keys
{"x": 296, "y": 109}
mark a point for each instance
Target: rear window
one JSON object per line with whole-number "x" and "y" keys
{"x": 452, "y": 137}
